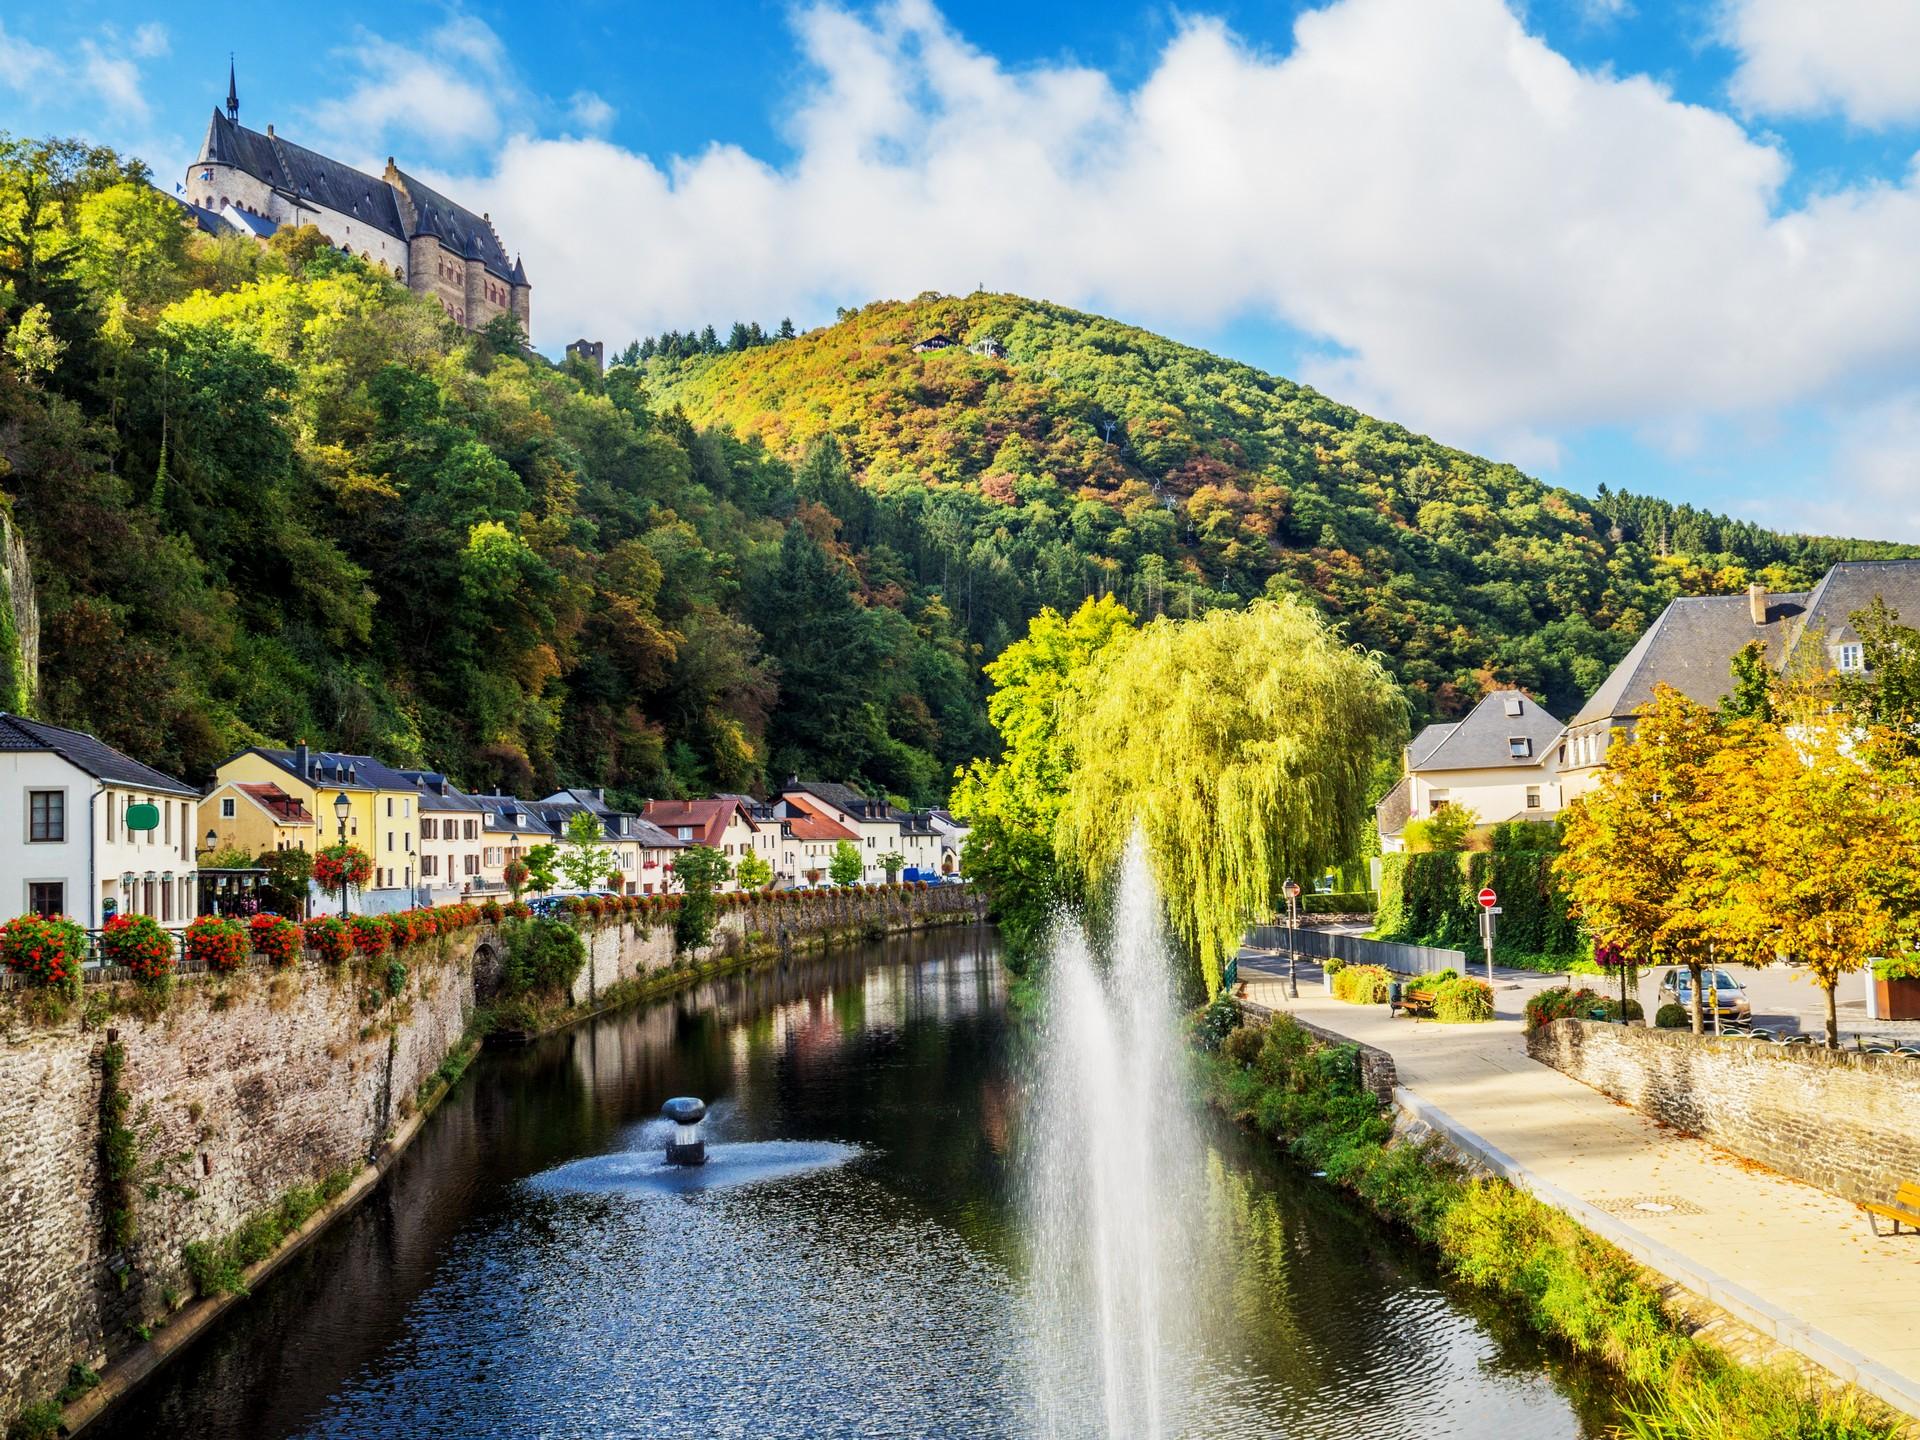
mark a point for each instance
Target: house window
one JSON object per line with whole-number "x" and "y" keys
{"x": 1850, "y": 658}
{"x": 228, "y": 808}
{"x": 1533, "y": 797}
{"x": 46, "y": 815}
{"x": 473, "y": 864}
{"x": 1519, "y": 747}
{"x": 473, "y": 830}
{"x": 166, "y": 903}
{"x": 389, "y": 807}
{"x": 47, "y": 897}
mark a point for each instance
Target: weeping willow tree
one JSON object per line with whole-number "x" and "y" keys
{"x": 1242, "y": 745}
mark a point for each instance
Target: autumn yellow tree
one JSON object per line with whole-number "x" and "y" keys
{"x": 1638, "y": 856}
{"x": 1817, "y": 826}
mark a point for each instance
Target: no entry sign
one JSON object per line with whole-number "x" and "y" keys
{"x": 1488, "y": 899}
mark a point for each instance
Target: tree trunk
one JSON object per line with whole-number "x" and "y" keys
{"x": 1833, "y": 1017}
{"x": 1699, "y": 1025}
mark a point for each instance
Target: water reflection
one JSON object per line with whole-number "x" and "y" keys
{"x": 510, "y": 1279}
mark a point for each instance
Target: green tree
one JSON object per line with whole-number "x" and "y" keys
{"x": 1886, "y": 692}
{"x": 583, "y": 858}
{"x": 289, "y": 872}
{"x": 1241, "y": 747}
{"x": 752, "y": 872}
{"x": 542, "y": 862}
{"x": 1444, "y": 832}
{"x": 1013, "y": 803}
{"x": 699, "y": 870}
{"x": 893, "y": 865}
{"x": 845, "y": 867}
{"x": 1752, "y": 695}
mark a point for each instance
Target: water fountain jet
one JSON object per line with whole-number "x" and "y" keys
{"x": 685, "y": 1146}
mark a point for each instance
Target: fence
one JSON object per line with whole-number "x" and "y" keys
{"x": 1356, "y": 950}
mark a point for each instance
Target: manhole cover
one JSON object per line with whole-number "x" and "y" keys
{"x": 1649, "y": 1205}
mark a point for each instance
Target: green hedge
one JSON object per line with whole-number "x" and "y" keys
{"x": 1431, "y": 899}
{"x": 1340, "y": 902}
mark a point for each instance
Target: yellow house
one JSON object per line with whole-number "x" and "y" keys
{"x": 257, "y": 817}
{"x": 381, "y": 815}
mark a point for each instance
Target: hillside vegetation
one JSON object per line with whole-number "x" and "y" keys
{"x": 1051, "y": 454}
{"x": 269, "y": 495}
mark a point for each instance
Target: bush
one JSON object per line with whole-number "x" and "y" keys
{"x": 1558, "y": 1003}
{"x": 1218, "y": 1021}
{"x": 1362, "y": 984}
{"x": 47, "y": 952}
{"x": 138, "y": 943}
{"x": 1462, "y": 1001}
{"x": 1672, "y": 1017}
{"x": 1243, "y": 1046}
{"x": 218, "y": 942}
{"x": 490, "y": 910}
{"x": 1609, "y": 1010}
{"x": 1437, "y": 978}
{"x": 330, "y": 938}
{"x": 1340, "y": 902}
{"x": 275, "y": 937}
{"x": 543, "y": 956}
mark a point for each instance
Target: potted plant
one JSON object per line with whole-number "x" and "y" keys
{"x": 1896, "y": 984}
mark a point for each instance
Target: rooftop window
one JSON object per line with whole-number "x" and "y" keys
{"x": 1519, "y": 747}
{"x": 1515, "y": 705}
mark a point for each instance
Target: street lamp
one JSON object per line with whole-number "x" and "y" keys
{"x": 1292, "y": 891}
{"x": 213, "y": 839}
{"x": 340, "y": 807}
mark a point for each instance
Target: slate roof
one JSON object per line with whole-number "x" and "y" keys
{"x": 329, "y": 768}
{"x": 84, "y": 752}
{"x": 1426, "y": 742}
{"x": 501, "y": 811}
{"x": 1854, "y": 585}
{"x": 1395, "y": 808}
{"x": 1479, "y": 742}
{"x": 464, "y": 232}
{"x": 1691, "y": 647}
{"x": 439, "y": 795}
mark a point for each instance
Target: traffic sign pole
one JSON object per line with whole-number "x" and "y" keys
{"x": 1489, "y": 908}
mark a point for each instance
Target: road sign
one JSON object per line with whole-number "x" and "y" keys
{"x": 1488, "y": 898}
{"x": 1291, "y": 889}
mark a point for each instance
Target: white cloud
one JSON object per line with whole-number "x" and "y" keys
{"x": 1799, "y": 57}
{"x": 446, "y": 94}
{"x": 1498, "y": 247}
{"x": 151, "y": 41}
{"x": 591, "y": 113}
{"x": 114, "y": 78}
{"x": 1870, "y": 485}
{"x": 23, "y": 65}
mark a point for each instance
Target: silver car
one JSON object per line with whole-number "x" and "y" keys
{"x": 1676, "y": 988}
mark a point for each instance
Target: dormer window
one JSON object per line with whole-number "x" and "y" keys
{"x": 1519, "y": 747}
{"x": 1515, "y": 705}
{"x": 1851, "y": 659}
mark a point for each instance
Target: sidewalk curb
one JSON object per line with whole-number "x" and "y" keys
{"x": 1900, "y": 1391}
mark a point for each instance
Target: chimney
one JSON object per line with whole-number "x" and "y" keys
{"x": 1757, "y": 603}
{"x": 301, "y": 756}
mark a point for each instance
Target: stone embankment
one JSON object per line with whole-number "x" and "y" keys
{"x": 140, "y": 1125}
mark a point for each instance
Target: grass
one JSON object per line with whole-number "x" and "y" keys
{"x": 219, "y": 1267}
{"x": 1571, "y": 1286}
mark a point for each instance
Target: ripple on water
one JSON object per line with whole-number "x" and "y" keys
{"x": 646, "y": 1172}
{"x": 805, "y": 1306}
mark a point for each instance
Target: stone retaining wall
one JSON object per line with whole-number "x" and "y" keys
{"x": 1841, "y": 1120}
{"x": 244, "y": 1086}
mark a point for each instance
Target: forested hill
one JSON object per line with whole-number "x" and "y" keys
{"x": 1048, "y": 454}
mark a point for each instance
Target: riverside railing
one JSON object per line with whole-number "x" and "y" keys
{"x": 1355, "y": 950}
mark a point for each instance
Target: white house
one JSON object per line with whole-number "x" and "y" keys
{"x": 952, "y": 833}
{"x": 1500, "y": 763}
{"x": 875, "y": 825}
{"x": 88, "y": 832}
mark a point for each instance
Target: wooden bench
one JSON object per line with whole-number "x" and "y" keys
{"x": 1905, "y": 1210}
{"x": 1414, "y": 1002}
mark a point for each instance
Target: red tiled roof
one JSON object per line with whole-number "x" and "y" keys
{"x": 278, "y": 803}
{"x": 709, "y": 818}
{"x": 810, "y": 824}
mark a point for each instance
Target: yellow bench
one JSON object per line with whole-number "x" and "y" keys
{"x": 1905, "y": 1209}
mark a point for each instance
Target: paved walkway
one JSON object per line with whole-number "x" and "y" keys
{"x": 1793, "y": 1261}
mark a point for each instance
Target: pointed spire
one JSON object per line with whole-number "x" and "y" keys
{"x": 233, "y": 92}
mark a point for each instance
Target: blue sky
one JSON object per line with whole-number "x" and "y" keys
{"x": 1667, "y": 247}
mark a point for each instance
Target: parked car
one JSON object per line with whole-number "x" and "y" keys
{"x": 1676, "y": 988}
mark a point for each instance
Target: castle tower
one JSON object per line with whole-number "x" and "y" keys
{"x": 522, "y": 298}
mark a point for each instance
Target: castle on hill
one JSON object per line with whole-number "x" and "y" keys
{"x": 257, "y": 184}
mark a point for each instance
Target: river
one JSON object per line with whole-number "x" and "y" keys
{"x": 525, "y": 1271}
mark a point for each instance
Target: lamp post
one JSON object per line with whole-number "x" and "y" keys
{"x": 340, "y": 807}
{"x": 1292, "y": 891}
{"x": 213, "y": 840}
